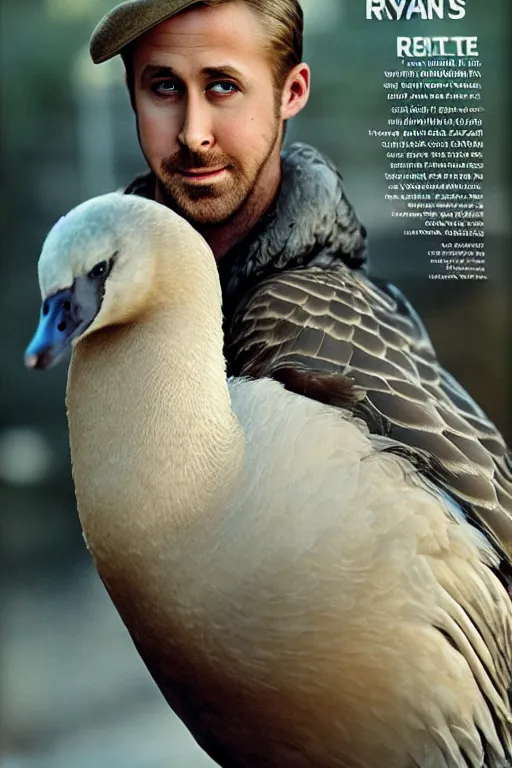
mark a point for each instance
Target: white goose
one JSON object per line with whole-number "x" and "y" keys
{"x": 300, "y": 597}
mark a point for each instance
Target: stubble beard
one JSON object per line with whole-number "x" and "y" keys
{"x": 210, "y": 206}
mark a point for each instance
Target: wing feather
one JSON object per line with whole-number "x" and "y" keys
{"x": 337, "y": 322}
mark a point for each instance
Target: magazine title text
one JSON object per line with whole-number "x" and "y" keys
{"x": 417, "y": 9}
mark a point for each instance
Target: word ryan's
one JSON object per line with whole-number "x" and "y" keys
{"x": 395, "y": 10}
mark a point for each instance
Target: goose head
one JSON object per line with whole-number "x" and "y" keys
{"x": 99, "y": 267}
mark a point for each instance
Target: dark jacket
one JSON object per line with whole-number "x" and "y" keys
{"x": 300, "y": 307}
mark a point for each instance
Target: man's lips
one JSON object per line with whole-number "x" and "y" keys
{"x": 201, "y": 173}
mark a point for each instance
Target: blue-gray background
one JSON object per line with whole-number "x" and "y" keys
{"x": 73, "y": 690}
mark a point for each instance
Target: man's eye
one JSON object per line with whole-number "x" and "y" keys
{"x": 166, "y": 86}
{"x": 224, "y": 87}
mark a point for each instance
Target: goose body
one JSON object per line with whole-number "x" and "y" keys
{"x": 301, "y": 594}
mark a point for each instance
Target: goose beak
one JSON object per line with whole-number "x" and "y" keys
{"x": 59, "y": 323}
{"x": 64, "y": 316}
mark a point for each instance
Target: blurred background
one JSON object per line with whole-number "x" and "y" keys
{"x": 73, "y": 692}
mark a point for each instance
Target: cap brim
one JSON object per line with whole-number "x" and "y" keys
{"x": 128, "y": 21}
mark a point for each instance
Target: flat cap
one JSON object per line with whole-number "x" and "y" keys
{"x": 127, "y": 21}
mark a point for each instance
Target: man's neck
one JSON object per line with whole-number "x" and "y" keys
{"x": 221, "y": 238}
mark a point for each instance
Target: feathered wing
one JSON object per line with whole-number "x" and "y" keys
{"x": 337, "y": 337}
{"x": 476, "y": 619}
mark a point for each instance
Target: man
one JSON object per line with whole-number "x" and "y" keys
{"x": 195, "y": 115}
{"x": 212, "y": 135}
{"x": 212, "y": 85}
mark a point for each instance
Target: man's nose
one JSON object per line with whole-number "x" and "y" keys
{"x": 196, "y": 131}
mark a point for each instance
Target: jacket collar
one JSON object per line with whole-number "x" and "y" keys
{"x": 310, "y": 223}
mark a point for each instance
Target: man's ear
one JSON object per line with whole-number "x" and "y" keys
{"x": 295, "y": 91}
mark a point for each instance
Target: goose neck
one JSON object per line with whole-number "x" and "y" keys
{"x": 154, "y": 441}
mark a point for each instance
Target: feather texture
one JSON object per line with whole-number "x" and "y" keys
{"x": 339, "y": 323}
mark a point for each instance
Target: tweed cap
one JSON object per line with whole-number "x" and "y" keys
{"x": 127, "y": 21}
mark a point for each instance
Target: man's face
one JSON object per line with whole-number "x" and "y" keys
{"x": 209, "y": 120}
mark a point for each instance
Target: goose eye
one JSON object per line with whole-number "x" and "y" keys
{"x": 99, "y": 270}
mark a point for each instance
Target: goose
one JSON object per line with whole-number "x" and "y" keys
{"x": 300, "y": 592}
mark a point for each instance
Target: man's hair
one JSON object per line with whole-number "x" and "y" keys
{"x": 283, "y": 25}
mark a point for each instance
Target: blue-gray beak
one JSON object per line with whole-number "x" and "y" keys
{"x": 59, "y": 323}
{"x": 64, "y": 316}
